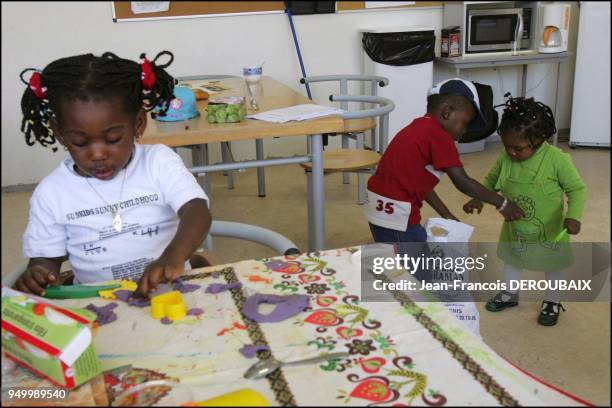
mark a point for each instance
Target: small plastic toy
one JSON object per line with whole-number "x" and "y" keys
{"x": 240, "y": 398}
{"x": 76, "y": 291}
{"x": 170, "y": 305}
{"x": 124, "y": 285}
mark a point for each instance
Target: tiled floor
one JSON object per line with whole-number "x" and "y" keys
{"x": 574, "y": 355}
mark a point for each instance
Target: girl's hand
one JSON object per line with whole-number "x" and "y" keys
{"x": 35, "y": 279}
{"x": 572, "y": 226}
{"x": 473, "y": 204}
{"x": 512, "y": 212}
{"x": 162, "y": 270}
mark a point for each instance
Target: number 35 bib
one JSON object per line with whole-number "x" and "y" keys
{"x": 386, "y": 212}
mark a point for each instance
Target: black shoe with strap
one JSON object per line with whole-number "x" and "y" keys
{"x": 497, "y": 304}
{"x": 550, "y": 313}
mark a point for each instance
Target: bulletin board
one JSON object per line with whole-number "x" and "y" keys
{"x": 186, "y": 9}
{"x": 183, "y": 9}
{"x": 360, "y": 5}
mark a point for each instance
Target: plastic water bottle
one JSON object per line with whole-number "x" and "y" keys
{"x": 252, "y": 76}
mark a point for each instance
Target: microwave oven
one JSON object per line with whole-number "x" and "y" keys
{"x": 493, "y": 26}
{"x": 498, "y": 30}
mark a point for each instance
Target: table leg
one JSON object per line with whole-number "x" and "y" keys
{"x": 199, "y": 156}
{"x": 523, "y": 80}
{"x": 208, "y": 243}
{"x": 317, "y": 192}
{"x": 311, "y": 230}
{"x": 226, "y": 157}
{"x": 261, "y": 177}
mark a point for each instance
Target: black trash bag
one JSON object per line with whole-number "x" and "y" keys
{"x": 485, "y": 97}
{"x": 399, "y": 49}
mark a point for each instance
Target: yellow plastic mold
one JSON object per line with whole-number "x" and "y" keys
{"x": 125, "y": 285}
{"x": 170, "y": 305}
{"x": 240, "y": 398}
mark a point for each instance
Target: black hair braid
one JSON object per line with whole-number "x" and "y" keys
{"x": 526, "y": 117}
{"x": 89, "y": 77}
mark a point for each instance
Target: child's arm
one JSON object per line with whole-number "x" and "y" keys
{"x": 436, "y": 203}
{"x": 193, "y": 227}
{"x": 576, "y": 191}
{"x": 472, "y": 188}
{"x": 489, "y": 182}
{"x": 41, "y": 273}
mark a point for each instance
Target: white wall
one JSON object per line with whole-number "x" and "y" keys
{"x": 36, "y": 33}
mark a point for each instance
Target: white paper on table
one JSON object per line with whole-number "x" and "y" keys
{"x": 297, "y": 112}
{"x": 139, "y": 7}
{"x": 211, "y": 87}
{"x": 379, "y": 4}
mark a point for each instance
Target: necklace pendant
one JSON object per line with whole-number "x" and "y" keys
{"x": 117, "y": 223}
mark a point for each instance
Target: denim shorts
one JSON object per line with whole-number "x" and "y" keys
{"x": 411, "y": 242}
{"x": 414, "y": 233}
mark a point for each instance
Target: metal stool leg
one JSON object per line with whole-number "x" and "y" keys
{"x": 227, "y": 158}
{"x": 345, "y": 144}
{"x": 361, "y": 193}
{"x": 261, "y": 176}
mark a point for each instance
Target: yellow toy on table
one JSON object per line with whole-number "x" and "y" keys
{"x": 125, "y": 285}
{"x": 241, "y": 398}
{"x": 170, "y": 305}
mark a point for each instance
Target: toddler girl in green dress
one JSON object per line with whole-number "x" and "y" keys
{"x": 536, "y": 176}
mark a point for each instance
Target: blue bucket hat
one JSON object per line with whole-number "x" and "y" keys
{"x": 182, "y": 107}
{"x": 458, "y": 86}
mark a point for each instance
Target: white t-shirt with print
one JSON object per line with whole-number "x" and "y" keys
{"x": 68, "y": 217}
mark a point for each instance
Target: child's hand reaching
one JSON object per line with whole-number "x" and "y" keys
{"x": 473, "y": 204}
{"x": 572, "y": 226}
{"x": 162, "y": 270}
{"x": 512, "y": 212}
{"x": 35, "y": 279}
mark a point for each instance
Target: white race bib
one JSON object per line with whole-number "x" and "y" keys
{"x": 386, "y": 212}
{"x": 435, "y": 172}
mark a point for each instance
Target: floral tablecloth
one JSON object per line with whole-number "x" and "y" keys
{"x": 402, "y": 353}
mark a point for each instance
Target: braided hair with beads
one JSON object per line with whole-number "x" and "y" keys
{"x": 143, "y": 84}
{"x": 524, "y": 116}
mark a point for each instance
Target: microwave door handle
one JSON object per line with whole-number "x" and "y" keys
{"x": 518, "y": 33}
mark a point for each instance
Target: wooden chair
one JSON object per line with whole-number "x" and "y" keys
{"x": 343, "y": 83}
{"x": 360, "y": 160}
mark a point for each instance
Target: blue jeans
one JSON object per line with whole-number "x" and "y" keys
{"x": 411, "y": 242}
{"x": 414, "y": 233}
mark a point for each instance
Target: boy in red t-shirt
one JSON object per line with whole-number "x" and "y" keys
{"x": 416, "y": 160}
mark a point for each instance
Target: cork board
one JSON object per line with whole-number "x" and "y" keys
{"x": 360, "y": 5}
{"x": 180, "y": 9}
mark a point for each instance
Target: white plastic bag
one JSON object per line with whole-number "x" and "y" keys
{"x": 449, "y": 238}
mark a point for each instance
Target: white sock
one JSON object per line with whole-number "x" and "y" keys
{"x": 553, "y": 295}
{"x": 511, "y": 273}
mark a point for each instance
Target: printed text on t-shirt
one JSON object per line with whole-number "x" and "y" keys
{"x": 117, "y": 206}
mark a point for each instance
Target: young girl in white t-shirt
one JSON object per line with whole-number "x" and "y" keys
{"x": 114, "y": 208}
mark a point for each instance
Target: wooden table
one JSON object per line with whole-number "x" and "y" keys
{"x": 274, "y": 95}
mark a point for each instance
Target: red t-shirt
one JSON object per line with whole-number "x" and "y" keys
{"x": 407, "y": 169}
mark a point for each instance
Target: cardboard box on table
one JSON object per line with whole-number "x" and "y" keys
{"x": 53, "y": 342}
